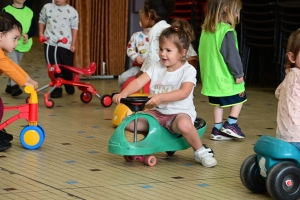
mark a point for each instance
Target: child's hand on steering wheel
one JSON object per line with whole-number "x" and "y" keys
{"x": 154, "y": 100}
{"x": 117, "y": 97}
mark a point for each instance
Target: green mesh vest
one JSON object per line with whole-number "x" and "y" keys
{"x": 24, "y": 16}
{"x": 217, "y": 81}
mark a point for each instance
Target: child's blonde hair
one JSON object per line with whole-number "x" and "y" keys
{"x": 293, "y": 46}
{"x": 227, "y": 11}
{"x": 180, "y": 33}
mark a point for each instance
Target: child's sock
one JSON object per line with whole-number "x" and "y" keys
{"x": 200, "y": 149}
{"x": 232, "y": 120}
{"x": 218, "y": 125}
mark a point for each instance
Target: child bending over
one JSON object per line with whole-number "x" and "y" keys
{"x": 10, "y": 33}
{"x": 171, "y": 90}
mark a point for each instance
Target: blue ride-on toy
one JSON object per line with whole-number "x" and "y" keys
{"x": 274, "y": 168}
{"x": 158, "y": 139}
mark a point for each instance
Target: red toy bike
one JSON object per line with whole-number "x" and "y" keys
{"x": 32, "y": 136}
{"x": 87, "y": 89}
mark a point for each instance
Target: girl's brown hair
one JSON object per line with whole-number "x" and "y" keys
{"x": 293, "y": 46}
{"x": 227, "y": 11}
{"x": 180, "y": 32}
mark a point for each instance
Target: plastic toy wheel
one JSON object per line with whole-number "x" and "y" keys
{"x": 49, "y": 103}
{"x": 106, "y": 100}
{"x": 86, "y": 97}
{"x": 150, "y": 160}
{"x": 250, "y": 176}
{"x": 32, "y": 137}
{"x": 128, "y": 158}
{"x": 283, "y": 181}
{"x": 170, "y": 153}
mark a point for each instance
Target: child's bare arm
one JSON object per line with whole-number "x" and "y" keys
{"x": 74, "y": 37}
{"x": 41, "y": 29}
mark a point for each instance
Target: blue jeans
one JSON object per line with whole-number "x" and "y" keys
{"x": 296, "y": 144}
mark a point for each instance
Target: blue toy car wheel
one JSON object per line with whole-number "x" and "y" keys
{"x": 250, "y": 175}
{"x": 283, "y": 181}
{"x": 32, "y": 137}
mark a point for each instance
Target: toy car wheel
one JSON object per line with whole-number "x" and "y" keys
{"x": 32, "y": 137}
{"x": 128, "y": 158}
{"x": 170, "y": 153}
{"x": 150, "y": 160}
{"x": 106, "y": 100}
{"x": 49, "y": 103}
{"x": 283, "y": 181}
{"x": 86, "y": 97}
{"x": 250, "y": 176}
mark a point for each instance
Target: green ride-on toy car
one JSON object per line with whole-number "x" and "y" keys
{"x": 158, "y": 139}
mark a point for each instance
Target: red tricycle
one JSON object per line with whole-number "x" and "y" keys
{"x": 56, "y": 82}
{"x": 32, "y": 136}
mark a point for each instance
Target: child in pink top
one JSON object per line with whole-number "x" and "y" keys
{"x": 288, "y": 94}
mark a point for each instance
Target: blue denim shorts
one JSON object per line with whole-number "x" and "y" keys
{"x": 296, "y": 144}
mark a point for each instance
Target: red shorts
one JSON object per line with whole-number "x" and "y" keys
{"x": 164, "y": 120}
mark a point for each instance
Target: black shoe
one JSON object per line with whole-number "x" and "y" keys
{"x": 70, "y": 89}
{"x": 8, "y": 89}
{"x": 6, "y": 137}
{"x": 4, "y": 145}
{"x": 56, "y": 93}
{"x": 15, "y": 91}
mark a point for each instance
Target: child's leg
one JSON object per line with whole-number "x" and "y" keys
{"x": 231, "y": 127}
{"x": 182, "y": 124}
{"x": 12, "y": 88}
{"x": 127, "y": 74}
{"x": 142, "y": 125}
{"x": 216, "y": 134}
{"x": 4, "y": 137}
{"x": 65, "y": 57}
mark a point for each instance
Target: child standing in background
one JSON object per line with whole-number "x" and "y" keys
{"x": 25, "y": 16}
{"x": 171, "y": 90}
{"x": 154, "y": 15}
{"x": 58, "y": 20}
{"x": 288, "y": 94}
{"x": 137, "y": 50}
{"x": 10, "y": 33}
{"x": 221, "y": 67}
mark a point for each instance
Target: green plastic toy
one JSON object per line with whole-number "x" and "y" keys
{"x": 158, "y": 139}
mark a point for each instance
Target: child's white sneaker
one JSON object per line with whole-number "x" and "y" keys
{"x": 205, "y": 157}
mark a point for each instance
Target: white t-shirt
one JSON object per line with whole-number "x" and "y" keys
{"x": 59, "y": 22}
{"x": 153, "y": 51}
{"x": 163, "y": 81}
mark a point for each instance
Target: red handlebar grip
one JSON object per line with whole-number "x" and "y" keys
{"x": 43, "y": 39}
{"x": 63, "y": 40}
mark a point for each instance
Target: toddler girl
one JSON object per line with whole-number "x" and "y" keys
{"x": 171, "y": 90}
{"x": 288, "y": 94}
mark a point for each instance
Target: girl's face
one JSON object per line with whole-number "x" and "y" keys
{"x": 60, "y": 2}
{"x": 20, "y": 1}
{"x": 9, "y": 40}
{"x": 169, "y": 54}
{"x": 145, "y": 19}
